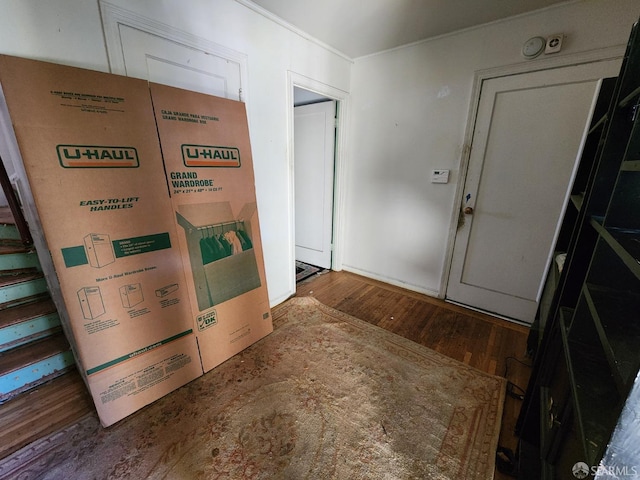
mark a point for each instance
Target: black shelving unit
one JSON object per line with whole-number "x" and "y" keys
{"x": 588, "y": 358}
{"x": 572, "y": 214}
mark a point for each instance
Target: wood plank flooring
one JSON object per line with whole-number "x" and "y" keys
{"x": 42, "y": 411}
{"x": 487, "y": 343}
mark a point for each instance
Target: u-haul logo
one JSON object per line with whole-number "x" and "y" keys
{"x": 210, "y": 156}
{"x": 92, "y": 156}
{"x": 207, "y": 320}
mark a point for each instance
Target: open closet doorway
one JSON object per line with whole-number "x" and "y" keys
{"x": 314, "y": 136}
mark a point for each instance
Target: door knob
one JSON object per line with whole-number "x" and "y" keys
{"x": 468, "y": 210}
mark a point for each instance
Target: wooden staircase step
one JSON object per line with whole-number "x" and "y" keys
{"x": 28, "y": 355}
{"x": 10, "y": 246}
{"x": 40, "y": 388}
{"x": 14, "y": 258}
{"x": 15, "y": 272}
{"x": 11, "y": 277}
{"x": 28, "y": 311}
{"x": 22, "y": 300}
{"x": 19, "y": 285}
{"x": 42, "y": 411}
{"x": 28, "y": 322}
{"x": 9, "y": 232}
{"x": 26, "y": 366}
{"x": 6, "y": 216}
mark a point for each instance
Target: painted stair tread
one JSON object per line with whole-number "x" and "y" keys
{"x": 14, "y": 279}
{"x": 35, "y": 297}
{"x": 7, "y": 248}
{"x": 9, "y": 232}
{"x": 12, "y": 272}
{"x": 24, "y": 312}
{"x": 32, "y": 353}
{"x": 21, "y": 259}
{"x": 9, "y": 241}
{"x": 6, "y": 216}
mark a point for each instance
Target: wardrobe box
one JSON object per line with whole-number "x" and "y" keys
{"x": 92, "y": 182}
{"x": 90, "y": 172}
{"x": 209, "y": 168}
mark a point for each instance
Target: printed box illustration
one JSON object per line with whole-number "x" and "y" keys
{"x": 223, "y": 261}
{"x": 99, "y": 250}
{"x": 166, "y": 290}
{"x": 91, "y": 303}
{"x": 131, "y": 295}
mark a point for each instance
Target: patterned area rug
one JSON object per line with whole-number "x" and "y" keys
{"x": 325, "y": 396}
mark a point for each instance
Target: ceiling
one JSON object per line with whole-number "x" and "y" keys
{"x": 361, "y": 27}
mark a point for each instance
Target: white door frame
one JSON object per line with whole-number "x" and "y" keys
{"x": 602, "y": 55}
{"x": 114, "y": 16}
{"x": 342, "y": 98}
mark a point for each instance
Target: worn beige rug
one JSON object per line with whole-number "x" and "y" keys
{"x": 325, "y": 396}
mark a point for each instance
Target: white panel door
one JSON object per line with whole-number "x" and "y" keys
{"x": 528, "y": 132}
{"x": 314, "y": 145}
{"x": 161, "y": 60}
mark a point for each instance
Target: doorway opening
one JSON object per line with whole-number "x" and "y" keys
{"x": 314, "y": 139}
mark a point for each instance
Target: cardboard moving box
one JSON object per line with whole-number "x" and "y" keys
{"x": 88, "y": 151}
{"x": 209, "y": 169}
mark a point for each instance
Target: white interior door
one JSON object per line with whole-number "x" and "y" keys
{"x": 528, "y": 131}
{"x": 314, "y": 145}
{"x": 166, "y": 61}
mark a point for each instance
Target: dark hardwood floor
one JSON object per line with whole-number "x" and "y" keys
{"x": 487, "y": 343}
{"x": 43, "y": 411}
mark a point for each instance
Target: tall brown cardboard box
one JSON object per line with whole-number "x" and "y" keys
{"x": 86, "y": 148}
{"x": 209, "y": 166}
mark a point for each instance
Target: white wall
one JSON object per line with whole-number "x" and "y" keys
{"x": 409, "y": 112}
{"x": 67, "y": 32}
{"x": 70, "y": 32}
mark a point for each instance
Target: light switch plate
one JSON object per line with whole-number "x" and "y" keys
{"x": 440, "y": 176}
